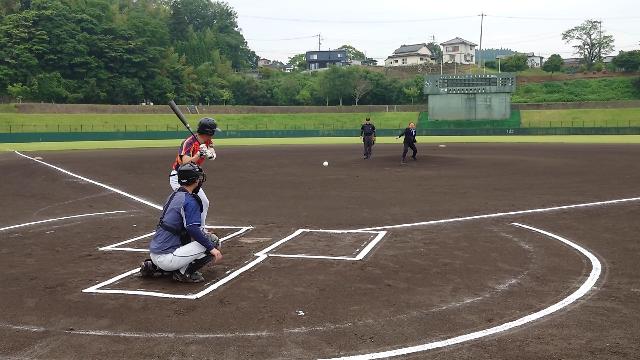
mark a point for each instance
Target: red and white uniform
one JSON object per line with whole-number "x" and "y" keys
{"x": 190, "y": 147}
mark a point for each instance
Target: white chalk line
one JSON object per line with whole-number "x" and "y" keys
{"x": 503, "y": 214}
{"x": 116, "y": 247}
{"x": 133, "y": 197}
{"x": 360, "y": 255}
{"x": 60, "y": 219}
{"x": 231, "y": 276}
{"x": 596, "y": 266}
{"x": 261, "y": 256}
{"x": 596, "y": 270}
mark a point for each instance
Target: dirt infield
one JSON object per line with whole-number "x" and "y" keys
{"x": 299, "y": 282}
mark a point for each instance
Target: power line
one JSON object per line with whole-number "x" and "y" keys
{"x": 354, "y": 21}
{"x": 286, "y": 39}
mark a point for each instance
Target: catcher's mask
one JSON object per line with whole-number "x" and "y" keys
{"x": 190, "y": 173}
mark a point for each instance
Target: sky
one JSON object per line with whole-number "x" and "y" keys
{"x": 280, "y": 29}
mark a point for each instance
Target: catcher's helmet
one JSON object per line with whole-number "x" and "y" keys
{"x": 189, "y": 173}
{"x": 207, "y": 126}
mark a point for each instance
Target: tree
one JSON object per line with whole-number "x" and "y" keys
{"x": 553, "y": 64}
{"x": 628, "y": 60}
{"x": 19, "y": 92}
{"x": 353, "y": 53}
{"x": 226, "y": 96}
{"x": 361, "y": 86}
{"x": 299, "y": 62}
{"x": 590, "y": 42}
{"x": 336, "y": 83}
{"x": 514, "y": 63}
{"x": 436, "y": 51}
{"x": 411, "y": 92}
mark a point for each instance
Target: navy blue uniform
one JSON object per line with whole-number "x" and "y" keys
{"x": 409, "y": 143}
{"x": 368, "y": 133}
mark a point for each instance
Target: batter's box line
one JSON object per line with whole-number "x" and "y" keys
{"x": 116, "y": 247}
{"x": 260, "y": 257}
{"x": 360, "y": 254}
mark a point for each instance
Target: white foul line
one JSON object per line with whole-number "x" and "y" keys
{"x": 61, "y": 218}
{"x": 596, "y": 270}
{"x": 511, "y": 213}
{"x": 133, "y": 197}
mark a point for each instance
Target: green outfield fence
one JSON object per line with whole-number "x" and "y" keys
{"x": 27, "y": 137}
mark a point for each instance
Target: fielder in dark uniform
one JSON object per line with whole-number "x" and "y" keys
{"x": 409, "y": 142}
{"x": 368, "y": 136}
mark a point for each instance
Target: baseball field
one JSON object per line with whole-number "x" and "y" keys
{"x": 475, "y": 251}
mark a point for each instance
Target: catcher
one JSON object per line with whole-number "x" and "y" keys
{"x": 195, "y": 150}
{"x": 180, "y": 245}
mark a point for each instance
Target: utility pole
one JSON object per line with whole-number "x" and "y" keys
{"x": 319, "y": 41}
{"x": 482, "y": 15}
{"x": 600, "y": 42}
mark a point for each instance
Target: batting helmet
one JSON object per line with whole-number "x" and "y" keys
{"x": 189, "y": 173}
{"x": 207, "y": 126}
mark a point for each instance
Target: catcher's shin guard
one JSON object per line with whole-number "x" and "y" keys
{"x": 198, "y": 264}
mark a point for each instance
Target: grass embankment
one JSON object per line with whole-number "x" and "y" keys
{"x": 145, "y": 122}
{"x": 605, "y": 89}
{"x": 581, "y": 118}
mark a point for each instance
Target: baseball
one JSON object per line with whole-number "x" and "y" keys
{"x": 326, "y": 163}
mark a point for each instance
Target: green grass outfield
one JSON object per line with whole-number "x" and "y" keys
{"x": 130, "y": 144}
{"x": 166, "y": 122}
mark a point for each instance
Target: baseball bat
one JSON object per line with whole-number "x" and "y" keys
{"x": 180, "y": 116}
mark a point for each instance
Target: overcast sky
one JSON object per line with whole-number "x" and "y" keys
{"x": 279, "y": 29}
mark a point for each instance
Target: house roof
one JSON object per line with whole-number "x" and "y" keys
{"x": 458, "y": 41}
{"x": 406, "y": 49}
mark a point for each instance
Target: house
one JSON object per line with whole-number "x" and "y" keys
{"x": 534, "y": 61}
{"x": 458, "y": 51}
{"x": 407, "y": 55}
{"x": 264, "y": 62}
{"x": 572, "y": 62}
{"x": 323, "y": 59}
{"x": 608, "y": 59}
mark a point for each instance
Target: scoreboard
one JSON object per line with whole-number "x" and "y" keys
{"x": 470, "y": 96}
{"x": 470, "y": 84}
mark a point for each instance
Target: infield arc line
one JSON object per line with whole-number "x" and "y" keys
{"x": 594, "y": 275}
{"x": 61, "y": 218}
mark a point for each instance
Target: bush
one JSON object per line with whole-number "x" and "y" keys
{"x": 491, "y": 64}
{"x": 598, "y": 67}
{"x": 636, "y": 86}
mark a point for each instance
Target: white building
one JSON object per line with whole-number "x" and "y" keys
{"x": 458, "y": 51}
{"x": 407, "y": 55}
{"x": 534, "y": 61}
